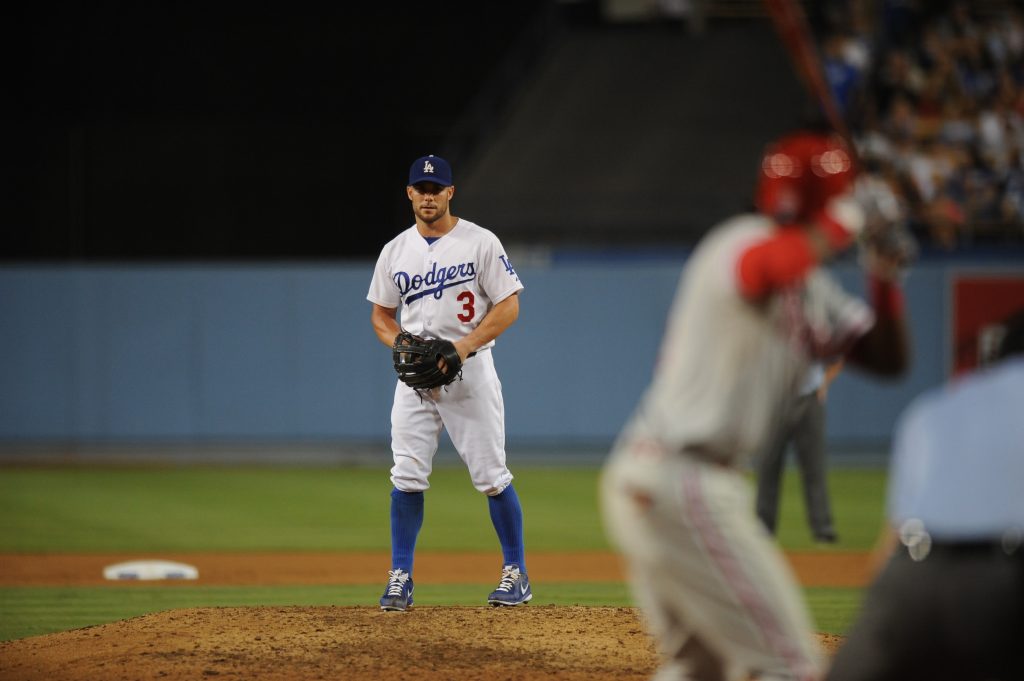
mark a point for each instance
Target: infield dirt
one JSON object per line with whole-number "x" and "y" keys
{"x": 326, "y": 642}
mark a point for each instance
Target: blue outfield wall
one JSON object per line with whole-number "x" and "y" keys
{"x": 285, "y": 353}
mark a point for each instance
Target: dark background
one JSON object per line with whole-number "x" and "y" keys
{"x": 155, "y": 130}
{"x": 176, "y": 130}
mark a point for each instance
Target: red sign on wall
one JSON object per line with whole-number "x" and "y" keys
{"x": 980, "y": 302}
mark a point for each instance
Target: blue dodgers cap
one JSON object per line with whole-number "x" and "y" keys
{"x": 431, "y": 169}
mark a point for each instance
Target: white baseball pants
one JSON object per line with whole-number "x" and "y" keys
{"x": 473, "y": 413}
{"x": 718, "y": 595}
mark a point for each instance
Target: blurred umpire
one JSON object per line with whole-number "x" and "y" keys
{"x": 949, "y": 603}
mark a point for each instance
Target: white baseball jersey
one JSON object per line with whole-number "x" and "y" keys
{"x": 727, "y": 365}
{"x": 447, "y": 287}
{"x": 717, "y": 592}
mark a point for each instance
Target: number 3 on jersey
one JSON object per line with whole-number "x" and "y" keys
{"x": 467, "y": 299}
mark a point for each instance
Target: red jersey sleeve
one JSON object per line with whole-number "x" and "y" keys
{"x": 776, "y": 262}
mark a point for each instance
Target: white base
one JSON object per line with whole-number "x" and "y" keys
{"x": 150, "y": 570}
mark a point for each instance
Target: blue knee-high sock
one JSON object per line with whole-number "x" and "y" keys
{"x": 406, "y": 521}
{"x": 507, "y": 516}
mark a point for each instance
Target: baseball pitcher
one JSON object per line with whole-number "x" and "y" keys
{"x": 457, "y": 291}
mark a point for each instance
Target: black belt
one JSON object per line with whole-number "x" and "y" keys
{"x": 977, "y": 548}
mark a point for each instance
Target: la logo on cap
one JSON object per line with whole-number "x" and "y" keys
{"x": 430, "y": 168}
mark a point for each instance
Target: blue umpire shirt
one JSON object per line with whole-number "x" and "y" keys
{"x": 958, "y": 457}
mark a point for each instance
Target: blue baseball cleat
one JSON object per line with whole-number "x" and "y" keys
{"x": 398, "y": 593}
{"x": 513, "y": 589}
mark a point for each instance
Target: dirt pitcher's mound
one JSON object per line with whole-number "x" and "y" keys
{"x": 468, "y": 644}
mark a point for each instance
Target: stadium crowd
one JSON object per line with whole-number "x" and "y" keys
{"x": 934, "y": 96}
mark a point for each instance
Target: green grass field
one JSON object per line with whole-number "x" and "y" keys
{"x": 248, "y": 508}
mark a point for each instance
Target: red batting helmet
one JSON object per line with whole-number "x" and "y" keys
{"x": 800, "y": 172}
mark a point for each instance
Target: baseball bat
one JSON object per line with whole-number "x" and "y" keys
{"x": 889, "y": 236}
{"x": 795, "y": 33}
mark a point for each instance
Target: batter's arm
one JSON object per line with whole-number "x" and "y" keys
{"x": 885, "y": 349}
{"x": 777, "y": 262}
{"x": 385, "y": 323}
{"x": 494, "y": 323}
{"x": 790, "y": 252}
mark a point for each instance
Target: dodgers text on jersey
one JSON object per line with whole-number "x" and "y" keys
{"x": 436, "y": 280}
